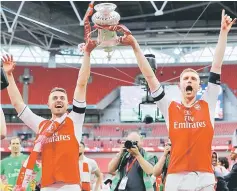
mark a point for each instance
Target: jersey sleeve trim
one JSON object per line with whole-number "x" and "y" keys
{"x": 215, "y": 78}
{"x": 79, "y": 107}
{"x": 158, "y": 94}
{"x": 20, "y": 114}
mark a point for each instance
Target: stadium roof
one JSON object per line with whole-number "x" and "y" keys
{"x": 176, "y": 31}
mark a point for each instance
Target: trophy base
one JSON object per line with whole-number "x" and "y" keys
{"x": 108, "y": 49}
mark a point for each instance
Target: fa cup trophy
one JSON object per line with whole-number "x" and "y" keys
{"x": 106, "y": 16}
{"x": 106, "y": 22}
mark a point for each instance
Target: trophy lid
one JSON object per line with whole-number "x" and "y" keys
{"x": 105, "y": 14}
{"x": 105, "y": 7}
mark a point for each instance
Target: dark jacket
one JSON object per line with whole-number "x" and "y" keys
{"x": 221, "y": 184}
{"x": 231, "y": 178}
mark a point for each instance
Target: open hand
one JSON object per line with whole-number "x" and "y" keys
{"x": 8, "y": 64}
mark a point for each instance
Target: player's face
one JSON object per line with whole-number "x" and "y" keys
{"x": 189, "y": 84}
{"x": 58, "y": 103}
{"x": 15, "y": 145}
{"x": 81, "y": 149}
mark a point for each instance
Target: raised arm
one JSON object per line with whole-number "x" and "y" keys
{"x": 83, "y": 76}
{"x": 24, "y": 113}
{"x": 144, "y": 65}
{"x": 226, "y": 24}
{"x": 79, "y": 99}
{"x": 3, "y": 127}
{"x": 129, "y": 40}
{"x": 84, "y": 73}
{"x": 13, "y": 91}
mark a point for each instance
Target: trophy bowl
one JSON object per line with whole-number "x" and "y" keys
{"x": 106, "y": 16}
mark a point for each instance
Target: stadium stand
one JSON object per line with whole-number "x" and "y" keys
{"x": 95, "y": 92}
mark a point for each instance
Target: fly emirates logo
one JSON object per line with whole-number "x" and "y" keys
{"x": 189, "y": 122}
{"x": 56, "y": 137}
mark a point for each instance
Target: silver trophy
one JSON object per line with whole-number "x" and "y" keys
{"x": 106, "y": 16}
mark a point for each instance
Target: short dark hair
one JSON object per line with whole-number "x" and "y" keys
{"x": 224, "y": 161}
{"x": 58, "y": 89}
{"x": 82, "y": 143}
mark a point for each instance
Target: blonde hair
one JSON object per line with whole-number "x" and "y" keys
{"x": 13, "y": 138}
{"x": 188, "y": 70}
{"x": 58, "y": 89}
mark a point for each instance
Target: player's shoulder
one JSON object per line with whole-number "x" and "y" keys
{"x": 6, "y": 159}
{"x": 175, "y": 103}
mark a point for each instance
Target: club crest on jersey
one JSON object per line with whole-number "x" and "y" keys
{"x": 197, "y": 106}
{"x": 187, "y": 112}
{"x": 178, "y": 106}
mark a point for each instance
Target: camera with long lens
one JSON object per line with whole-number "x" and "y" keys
{"x": 130, "y": 144}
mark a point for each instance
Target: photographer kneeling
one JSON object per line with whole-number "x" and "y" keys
{"x": 133, "y": 166}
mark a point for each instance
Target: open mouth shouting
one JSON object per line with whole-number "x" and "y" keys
{"x": 189, "y": 89}
{"x": 58, "y": 106}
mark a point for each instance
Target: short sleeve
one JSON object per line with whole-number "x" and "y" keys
{"x": 30, "y": 119}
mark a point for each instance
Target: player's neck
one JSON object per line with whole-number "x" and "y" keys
{"x": 187, "y": 102}
{"x": 15, "y": 154}
{"x": 54, "y": 116}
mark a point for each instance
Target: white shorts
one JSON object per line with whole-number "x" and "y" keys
{"x": 190, "y": 181}
{"x": 62, "y": 187}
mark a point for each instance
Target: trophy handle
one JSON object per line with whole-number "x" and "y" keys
{"x": 87, "y": 26}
